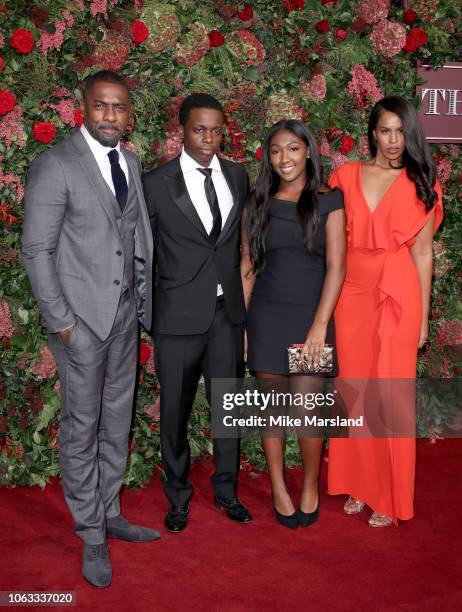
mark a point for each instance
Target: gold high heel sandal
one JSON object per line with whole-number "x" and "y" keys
{"x": 379, "y": 520}
{"x": 353, "y": 506}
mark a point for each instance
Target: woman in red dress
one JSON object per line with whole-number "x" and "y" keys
{"x": 393, "y": 207}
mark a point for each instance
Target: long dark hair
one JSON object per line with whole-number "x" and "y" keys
{"x": 267, "y": 185}
{"x": 417, "y": 158}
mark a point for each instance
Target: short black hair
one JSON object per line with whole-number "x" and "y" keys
{"x": 198, "y": 100}
{"x": 103, "y": 76}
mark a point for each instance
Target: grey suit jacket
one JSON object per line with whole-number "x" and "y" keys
{"x": 71, "y": 246}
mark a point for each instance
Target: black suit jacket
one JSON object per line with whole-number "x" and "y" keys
{"x": 188, "y": 265}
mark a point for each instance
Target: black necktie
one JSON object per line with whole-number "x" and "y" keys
{"x": 212, "y": 199}
{"x": 118, "y": 178}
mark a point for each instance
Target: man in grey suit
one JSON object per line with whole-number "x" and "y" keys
{"x": 87, "y": 248}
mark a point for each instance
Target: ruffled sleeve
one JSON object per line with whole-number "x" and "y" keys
{"x": 335, "y": 180}
{"x": 438, "y": 208}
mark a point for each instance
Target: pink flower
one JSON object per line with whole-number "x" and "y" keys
{"x": 11, "y": 128}
{"x": 373, "y": 11}
{"x": 194, "y": 46}
{"x": 425, "y": 9}
{"x": 338, "y": 160}
{"x": 130, "y": 147}
{"x": 49, "y": 41}
{"x": 244, "y": 45}
{"x": 98, "y": 6}
{"x": 68, "y": 18}
{"x": 62, "y": 92}
{"x": 441, "y": 264}
{"x": 14, "y": 183}
{"x": 315, "y": 89}
{"x": 110, "y": 53}
{"x": 66, "y": 111}
{"x": 46, "y": 367}
{"x": 388, "y": 37}
{"x": 443, "y": 169}
{"x": 6, "y": 324}
{"x": 153, "y": 410}
{"x": 363, "y": 86}
{"x": 324, "y": 147}
{"x": 150, "y": 365}
{"x": 363, "y": 147}
{"x": 450, "y": 333}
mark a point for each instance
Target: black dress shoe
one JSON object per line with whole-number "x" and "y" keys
{"x": 291, "y": 521}
{"x": 177, "y": 517}
{"x": 308, "y": 518}
{"x": 234, "y": 509}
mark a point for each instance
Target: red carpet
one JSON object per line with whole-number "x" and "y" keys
{"x": 337, "y": 564}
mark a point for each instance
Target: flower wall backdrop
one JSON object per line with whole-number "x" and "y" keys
{"x": 325, "y": 61}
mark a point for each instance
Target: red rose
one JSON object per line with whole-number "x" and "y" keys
{"x": 346, "y": 144}
{"x": 410, "y": 45}
{"x": 326, "y": 2}
{"x": 259, "y": 153}
{"x": 420, "y": 36}
{"x": 216, "y": 38}
{"x": 340, "y": 35}
{"x": 7, "y": 101}
{"x": 322, "y": 26}
{"x": 78, "y": 117}
{"x": 409, "y": 16}
{"x": 145, "y": 353}
{"x": 2, "y": 64}
{"x": 246, "y": 14}
{"x": 415, "y": 39}
{"x": 294, "y": 5}
{"x": 44, "y": 131}
{"x": 358, "y": 25}
{"x": 22, "y": 40}
{"x": 139, "y": 32}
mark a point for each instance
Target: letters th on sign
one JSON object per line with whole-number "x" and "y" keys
{"x": 441, "y": 95}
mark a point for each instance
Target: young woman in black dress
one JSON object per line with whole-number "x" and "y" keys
{"x": 292, "y": 267}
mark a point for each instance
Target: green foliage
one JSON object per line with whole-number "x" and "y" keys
{"x": 285, "y": 53}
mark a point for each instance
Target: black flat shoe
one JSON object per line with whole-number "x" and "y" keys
{"x": 177, "y": 518}
{"x": 308, "y": 518}
{"x": 235, "y": 510}
{"x": 290, "y": 521}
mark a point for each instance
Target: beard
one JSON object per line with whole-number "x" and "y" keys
{"x": 107, "y": 140}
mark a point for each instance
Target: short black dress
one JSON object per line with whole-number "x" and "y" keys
{"x": 287, "y": 291}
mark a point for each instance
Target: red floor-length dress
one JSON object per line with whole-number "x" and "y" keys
{"x": 378, "y": 322}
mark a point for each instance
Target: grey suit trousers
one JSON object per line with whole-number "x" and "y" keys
{"x": 97, "y": 387}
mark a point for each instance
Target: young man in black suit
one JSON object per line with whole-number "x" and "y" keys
{"x": 195, "y": 203}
